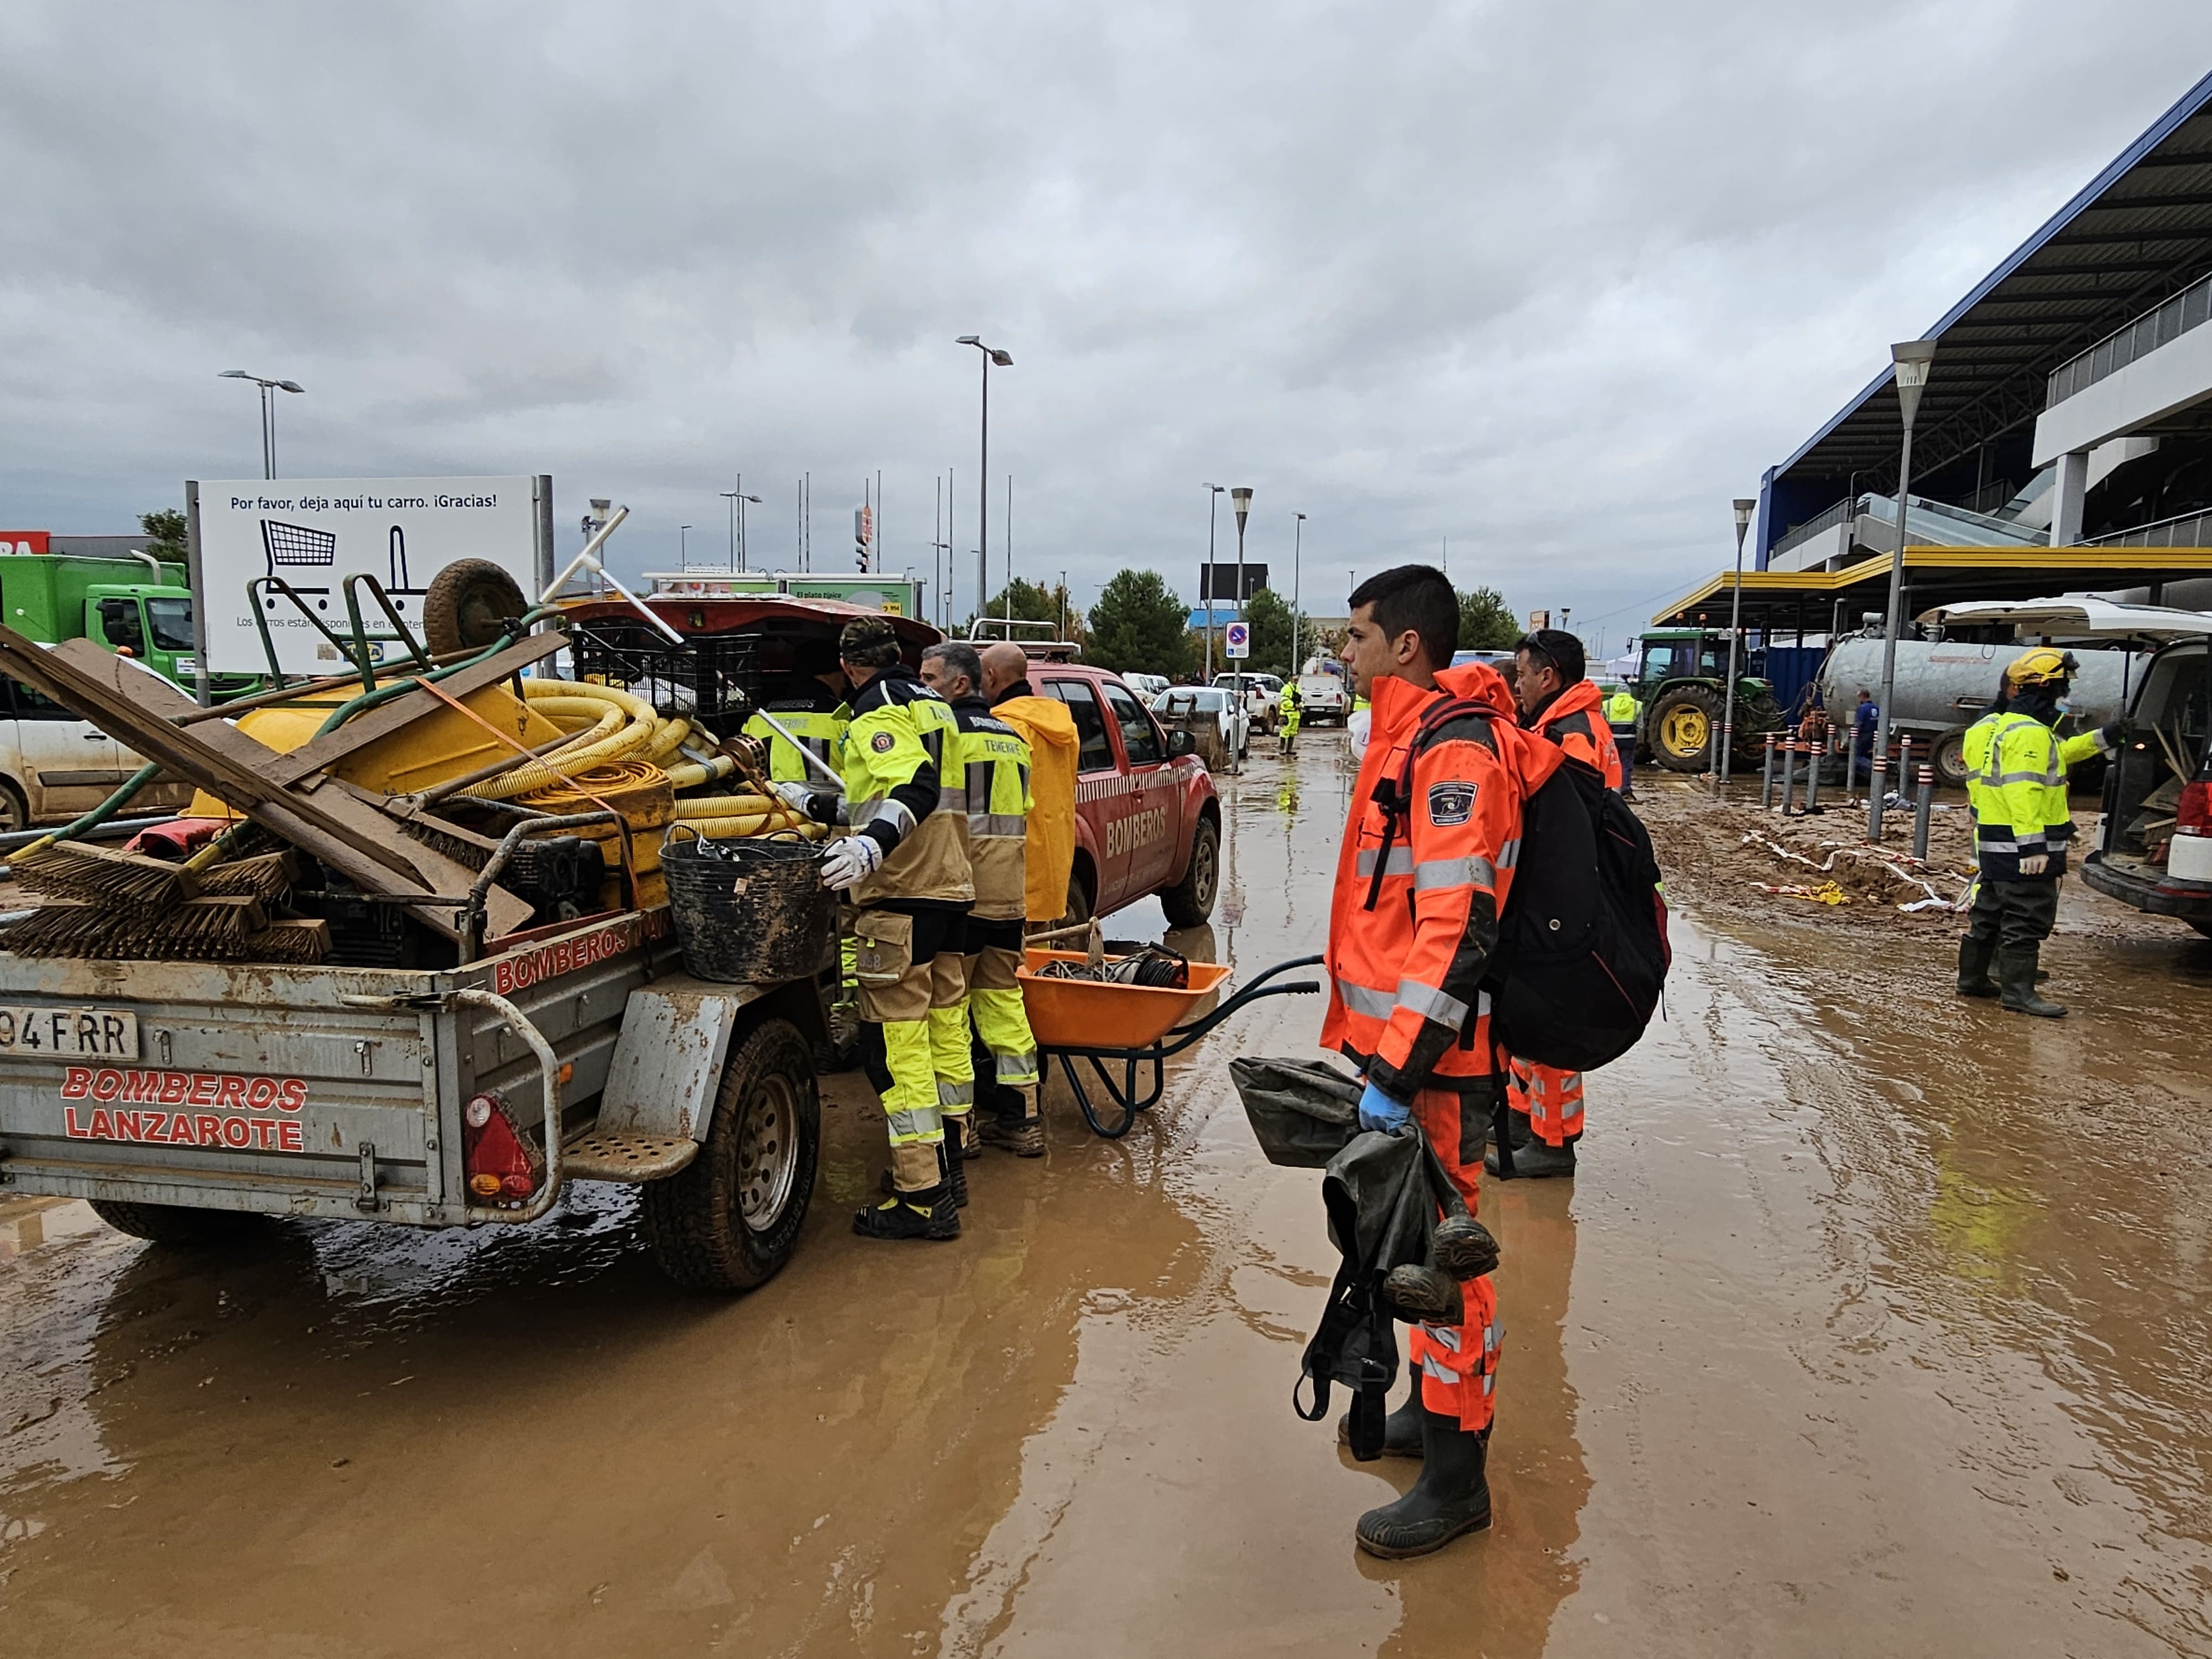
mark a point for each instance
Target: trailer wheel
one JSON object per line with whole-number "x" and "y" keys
{"x": 173, "y": 1223}
{"x": 730, "y": 1217}
{"x": 467, "y": 604}
{"x": 1950, "y": 760}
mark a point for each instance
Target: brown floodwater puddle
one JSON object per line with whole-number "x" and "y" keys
{"x": 1873, "y": 1323}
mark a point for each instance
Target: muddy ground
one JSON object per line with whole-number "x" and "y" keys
{"x": 1874, "y": 1323}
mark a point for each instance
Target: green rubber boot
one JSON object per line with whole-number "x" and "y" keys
{"x": 1974, "y": 956}
{"x": 2016, "y": 974}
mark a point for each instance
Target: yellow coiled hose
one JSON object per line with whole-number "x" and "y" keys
{"x": 631, "y": 724}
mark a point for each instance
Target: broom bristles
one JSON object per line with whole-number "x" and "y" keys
{"x": 106, "y": 875}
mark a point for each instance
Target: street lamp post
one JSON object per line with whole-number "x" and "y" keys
{"x": 1297, "y": 551}
{"x": 741, "y": 502}
{"x": 268, "y": 412}
{"x": 1744, "y": 509}
{"x": 1241, "y": 499}
{"x": 1004, "y": 360}
{"x": 731, "y": 496}
{"x": 1205, "y": 586}
{"x": 683, "y": 547}
{"x": 1912, "y": 358}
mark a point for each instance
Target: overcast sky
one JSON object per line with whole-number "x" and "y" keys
{"x": 1554, "y": 279}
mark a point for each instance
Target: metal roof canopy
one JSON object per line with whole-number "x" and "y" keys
{"x": 2138, "y": 232}
{"x": 1779, "y": 601}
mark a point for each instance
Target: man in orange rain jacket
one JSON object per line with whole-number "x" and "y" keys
{"x": 1557, "y": 702}
{"x": 1427, "y": 861}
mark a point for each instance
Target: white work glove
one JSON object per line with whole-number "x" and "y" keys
{"x": 849, "y": 862}
{"x": 799, "y": 796}
{"x": 2034, "y": 864}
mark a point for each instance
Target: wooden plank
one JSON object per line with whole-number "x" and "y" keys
{"x": 353, "y": 837}
{"x": 332, "y": 747}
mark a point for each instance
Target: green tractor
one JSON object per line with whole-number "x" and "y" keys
{"x": 1679, "y": 692}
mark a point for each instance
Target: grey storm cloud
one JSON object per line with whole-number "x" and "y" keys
{"x": 1555, "y": 282}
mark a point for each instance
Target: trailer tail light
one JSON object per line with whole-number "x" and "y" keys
{"x": 500, "y": 1163}
{"x": 2193, "y": 816}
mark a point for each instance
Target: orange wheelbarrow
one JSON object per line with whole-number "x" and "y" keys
{"x": 1133, "y": 1027}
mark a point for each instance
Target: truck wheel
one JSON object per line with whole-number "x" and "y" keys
{"x": 1682, "y": 726}
{"x": 1950, "y": 760}
{"x": 731, "y": 1217}
{"x": 466, "y": 603}
{"x": 173, "y": 1223}
{"x": 1189, "y": 903}
{"x": 1079, "y": 899}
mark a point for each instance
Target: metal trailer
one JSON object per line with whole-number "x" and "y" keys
{"x": 1943, "y": 686}
{"x": 185, "y": 1099}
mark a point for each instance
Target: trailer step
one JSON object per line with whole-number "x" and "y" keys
{"x": 630, "y": 1158}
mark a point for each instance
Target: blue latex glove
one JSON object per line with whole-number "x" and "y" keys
{"x": 1378, "y": 1111}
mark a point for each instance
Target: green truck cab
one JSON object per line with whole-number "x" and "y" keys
{"x": 1678, "y": 694}
{"x": 140, "y": 604}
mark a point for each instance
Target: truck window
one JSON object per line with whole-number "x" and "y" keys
{"x": 1140, "y": 739}
{"x": 118, "y": 621}
{"x": 1095, "y": 754}
{"x": 171, "y": 620}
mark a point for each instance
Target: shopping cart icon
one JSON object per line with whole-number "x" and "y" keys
{"x": 298, "y": 546}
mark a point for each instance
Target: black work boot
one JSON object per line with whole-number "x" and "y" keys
{"x": 1974, "y": 955}
{"x": 929, "y": 1214}
{"x": 1402, "y": 1429}
{"x": 1516, "y": 1124}
{"x": 1450, "y": 1498}
{"x": 2016, "y": 974}
{"x": 1021, "y": 1133}
{"x": 1423, "y": 1295}
{"x": 1464, "y": 1247}
{"x": 949, "y": 1169}
{"x": 1538, "y": 1161}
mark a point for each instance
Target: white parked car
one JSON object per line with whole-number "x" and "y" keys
{"x": 1226, "y": 707}
{"x": 54, "y": 767}
{"x": 1146, "y": 686}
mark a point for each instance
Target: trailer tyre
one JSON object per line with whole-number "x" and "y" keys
{"x": 1950, "y": 760}
{"x": 730, "y": 1217}
{"x": 173, "y": 1223}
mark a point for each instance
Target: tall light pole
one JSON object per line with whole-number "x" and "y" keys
{"x": 731, "y": 496}
{"x": 1241, "y": 499}
{"x": 683, "y": 547}
{"x": 1912, "y": 358}
{"x": 1744, "y": 509}
{"x": 1205, "y": 583}
{"x": 1297, "y": 551}
{"x": 268, "y": 412}
{"x": 742, "y": 500}
{"x": 1004, "y": 360}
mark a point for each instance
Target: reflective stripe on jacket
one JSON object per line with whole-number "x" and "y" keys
{"x": 988, "y": 780}
{"x": 1573, "y": 721}
{"x": 1414, "y": 917}
{"x": 821, "y": 730}
{"x": 892, "y": 760}
{"x": 2016, "y": 783}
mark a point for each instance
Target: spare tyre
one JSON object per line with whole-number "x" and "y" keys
{"x": 468, "y": 606}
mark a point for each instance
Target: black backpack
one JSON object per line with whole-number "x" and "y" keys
{"x": 1581, "y": 948}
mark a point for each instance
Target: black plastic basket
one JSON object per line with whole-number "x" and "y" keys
{"x": 749, "y": 911}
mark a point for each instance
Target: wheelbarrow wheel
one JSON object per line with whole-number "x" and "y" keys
{"x": 467, "y": 604}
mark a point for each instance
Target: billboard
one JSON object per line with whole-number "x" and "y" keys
{"x": 314, "y": 533}
{"x": 1219, "y": 581}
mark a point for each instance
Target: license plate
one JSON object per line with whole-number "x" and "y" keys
{"x": 69, "y": 1033}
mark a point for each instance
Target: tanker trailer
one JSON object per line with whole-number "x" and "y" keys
{"x": 1943, "y": 686}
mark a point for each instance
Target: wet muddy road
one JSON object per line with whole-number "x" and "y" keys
{"x": 1876, "y": 1322}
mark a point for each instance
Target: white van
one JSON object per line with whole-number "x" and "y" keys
{"x": 55, "y": 766}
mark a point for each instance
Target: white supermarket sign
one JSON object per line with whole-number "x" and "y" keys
{"x": 312, "y": 533}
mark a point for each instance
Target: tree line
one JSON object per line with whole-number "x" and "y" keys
{"x": 1140, "y": 625}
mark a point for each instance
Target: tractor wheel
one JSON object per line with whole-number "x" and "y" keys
{"x": 1754, "y": 718}
{"x": 1681, "y": 728}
